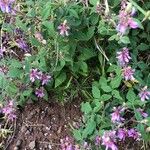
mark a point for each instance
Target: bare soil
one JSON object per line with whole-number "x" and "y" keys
{"x": 40, "y": 126}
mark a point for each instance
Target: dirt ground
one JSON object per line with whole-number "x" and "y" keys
{"x": 40, "y": 126}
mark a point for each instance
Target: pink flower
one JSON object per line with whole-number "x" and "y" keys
{"x": 128, "y": 73}
{"x": 39, "y": 92}
{"x": 6, "y": 5}
{"x": 66, "y": 144}
{"x": 45, "y": 79}
{"x": 9, "y": 110}
{"x": 125, "y": 20}
{"x": 116, "y": 115}
{"x": 63, "y": 28}
{"x": 144, "y": 94}
{"x": 122, "y": 134}
{"x": 133, "y": 133}
{"x": 97, "y": 140}
{"x": 108, "y": 139}
{"x": 34, "y": 74}
{"x": 123, "y": 56}
{"x": 132, "y": 24}
{"x": 141, "y": 111}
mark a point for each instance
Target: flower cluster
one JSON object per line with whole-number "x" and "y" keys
{"x": 128, "y": 73}
{"x": 6, "y": 5}
{"x": 123, "y": 59}
{"x": 9, "y": 110}
{"x": 35, "y": 74}
{"x": 68, "y": 144}
{"x": 126, "y": 20}
{"x": 110, "y": 138}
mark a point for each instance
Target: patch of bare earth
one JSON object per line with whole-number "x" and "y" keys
{"x": 40, "y": 126}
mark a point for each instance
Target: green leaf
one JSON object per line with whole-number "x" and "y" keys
{"x": 116, "y": 94}
{"x": 27, "y": 92}
{"x": 74, "y": 13}
{"x": 115, "y": 83}
{"x": 93, "y": 2}
{"x": 46, "y": 11}
{"x": 50, "y": 28}
{"x": 95, "y": 92}
{"x": 86, "y": 108}
{"x": 105, "y": 97}
{"x": 90, "y": 127}
{"x": 60, "y": 79}
{"x": 131, "y": 95}
{"x": 77, "y": 135}
{"x": 106, "y": 88}
{"x": 124, "y": 40}
{"x": 14, "y": 73}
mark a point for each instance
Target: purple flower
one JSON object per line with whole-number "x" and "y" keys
{"x": 125, "y": 21}
{"x": 116, "y": 115}
{"x": 2, "y": 50}
{"x": 144, "y": 94}
{"x": 128, "y": 73}
{"x": 134, "y": 134}
{"x": 141, "y": 111}
{"x": 45, "y": 79}
{"x": 22, "y": 44}
{"x": 97, "y": 140}
{"x": 9, "y": 110}
{"x": 34, "y": 74}
{"x": 123, "y": 56}
{"x": 132, "y": 24}
{"x": 6, "y": 5}
{"x": 108, "y": 139}
{"x": 39, "y": 92}
{"x": 66, "y": 144}
{"x": 122, "y": 134}
{"x": 63, "y": 28}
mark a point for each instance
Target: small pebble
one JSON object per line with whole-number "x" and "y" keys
{"x": 32, "y": 145}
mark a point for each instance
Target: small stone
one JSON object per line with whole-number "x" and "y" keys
{"x": 23, "y": 129}
{"x": 48, "y": 128}
{"x": 18, "y": 143}
{"x": 45, "y": 134}
{"x": 32, "y": 145}
{"x": 50, "y": 147}
{"x": 16, "y": 148}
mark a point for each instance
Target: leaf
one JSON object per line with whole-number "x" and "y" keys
{"x": 60, "y": 79}
{"x": 46, "y": 11}
{"x": 14, "y": 73}
{"x": 124, "y": 40}
{"x": 131, "y": 95}
{"x": 86, "y": 108}
{"x": 93, "y": 2}
{"x": 116, "y": 94}
{"x": 50, "y": 26}
{"x": 95, "y": 92}
{"x": 105, "y": 97}
{"x": 27, "y": 92}
{"x": 73, "y": 13}
{"x": 115, "y": 83}
{"x": 77, "y": 135}
{"x": 106, "y": 88}
{"x": 90, "y": 33}
{"x": 90, "y": 127}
